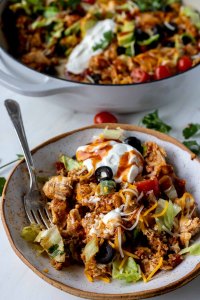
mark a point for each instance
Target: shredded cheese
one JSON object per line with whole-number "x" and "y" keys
{"x": 156, "y": 269}
{"x": 150, "y": 209}
{"x": 122, "y": 263}
{"x": 143, "y": 277}
{"x": 89, "y": 278}
{"x": 162, "y": 212}
{"x": 129, "y": 254}
{"x": 183, "y": 200}
{"x": 122, "y": 196}
{"x": 105, "y": 279}
{"x": 86, "y": 176}
{"x": 111, "y": 244}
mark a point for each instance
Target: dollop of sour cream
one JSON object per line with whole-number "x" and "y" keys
{"x": 124, "y": 160}
{"x": 79, "y": 58}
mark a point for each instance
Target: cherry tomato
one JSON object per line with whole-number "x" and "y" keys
{"x": 184, "y": 63}
{"x": 139, "y": 76}
{"x": 146, "y": 186}
{"x": 89, "y": 1}
{"x": 105, "y": 117}
{"x": 162, "y": 72}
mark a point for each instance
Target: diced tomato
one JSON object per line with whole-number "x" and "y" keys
{"x": 146, "y": 186}
{"x": 105, "y": 117}
{"x": 89, "y": 1}
{"x": 184, "y": 63}
{"x": 139, "y": 76}
{"x": 162, "y": 72}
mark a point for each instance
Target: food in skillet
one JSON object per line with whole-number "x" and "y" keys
{"x": 119, "y": 209}
{"x": 105, "y": 41}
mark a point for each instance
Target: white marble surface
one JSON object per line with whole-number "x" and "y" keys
{"x": 44, "y": 119}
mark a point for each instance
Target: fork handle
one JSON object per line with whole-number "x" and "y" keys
{"x": 14, "y": 112}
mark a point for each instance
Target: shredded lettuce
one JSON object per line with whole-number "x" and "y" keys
{"x": 192, "y": 14}
{"x": 166, "y": 221}
{"x": 113, "y": 134}
{"x": 130, "y": 272}
{"x": 69, "y": 163}
{"x": 29, "y": 233}
{"x": 91, "y": 249}
{"x": 52, "y": 242}
{"x": 150, "y": 40}
{"x": 193, "y": 250}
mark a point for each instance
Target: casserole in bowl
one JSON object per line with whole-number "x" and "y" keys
{"x": 104, "y": 95}
{"x": 71, "y": 279}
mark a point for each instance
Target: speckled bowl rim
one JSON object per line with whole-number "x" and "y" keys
{"x": 90, "y": 295}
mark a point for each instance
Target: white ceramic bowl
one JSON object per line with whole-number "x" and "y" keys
{"x": 72, "y": 279}
{"x": 91, "y": 97}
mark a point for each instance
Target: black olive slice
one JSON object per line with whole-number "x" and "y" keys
{"x": 105, "y": 254}
{"x": 134, "y": 142}
{"x": 103, "y": 173}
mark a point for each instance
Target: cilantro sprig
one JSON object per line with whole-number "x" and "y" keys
{"x": 191, "y": 130}
{"x": 153, "y": 121}
{"x": 2, "y": 183}
{"x": 104, "y": 43}
{"x": 193, "y": 146}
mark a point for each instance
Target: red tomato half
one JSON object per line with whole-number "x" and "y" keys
{"x": 146, "y": 186}
{"x": 105, "y": 117}
{"x": 162, "y": 72}
{"x": 139, "y": 76}
{"x": 184, "y": 63}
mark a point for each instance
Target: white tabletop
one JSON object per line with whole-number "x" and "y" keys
{"x": 44, "y": 119}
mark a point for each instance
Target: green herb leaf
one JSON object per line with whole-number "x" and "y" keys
{"x": 53, "y": 248}
{"x": 153, "y": 5}
{"x": 193, "y": 146}
{"x": 73, "y": 3}
{"x": 108, "y": 36}
{"x": 19, "y": 157}
{"x": 2, "y": 183}
{"x": 191, "y": 130}
{"x": 153, "y": 121}
{"x": 54, "y": 251}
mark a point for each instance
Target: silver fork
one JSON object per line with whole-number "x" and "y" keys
{"x": 35, "y": 205}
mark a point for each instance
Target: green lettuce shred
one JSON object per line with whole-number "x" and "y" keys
{"x": 52, "y": 242}
{"x": 91, "y": 249}
{"x": 69, "y": 163}
{"x": 193, "y": 250}
{"x": 29, "y": 233}
{"x": 192, "y": 14}
{"x": 130, "y": 272}
{"x": 113, "y": 134}
{"x": 166, "y": 221}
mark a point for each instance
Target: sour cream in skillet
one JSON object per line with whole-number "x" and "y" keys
{"x": 124, "y": 160}
{"x": 79, "y": 58}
